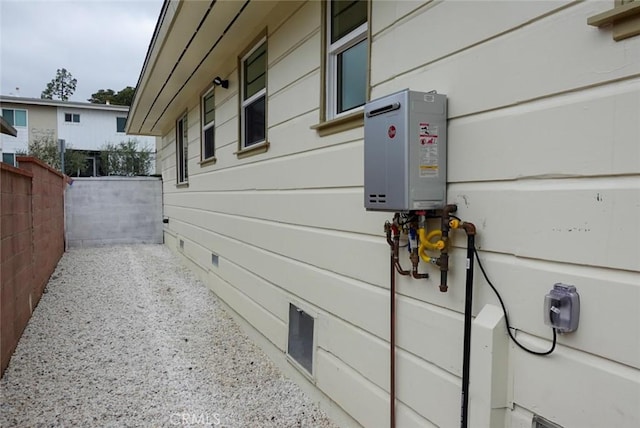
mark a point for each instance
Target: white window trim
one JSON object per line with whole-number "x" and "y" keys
{"x": 254, "y": 97}
{"x": 207, "y": 126}
{"x": 333, "y": 51}
{"x": 185, "y": 159}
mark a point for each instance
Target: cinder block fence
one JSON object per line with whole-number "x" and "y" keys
{"x": 32, "y": 243}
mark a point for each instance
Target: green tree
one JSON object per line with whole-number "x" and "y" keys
{"x": 62, "y": 86}
{"x": 123, "y": 97}
{"x": 45, "y": 148}
{"x": 102, "y": 96}
{"x": 126, "y": 158}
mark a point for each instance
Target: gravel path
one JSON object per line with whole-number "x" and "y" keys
{"x": 126, "y": 336}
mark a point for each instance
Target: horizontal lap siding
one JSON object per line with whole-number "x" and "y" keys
{"x": 543, "y": 158}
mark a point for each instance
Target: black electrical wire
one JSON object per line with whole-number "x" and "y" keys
{"x": 506, "y": 317}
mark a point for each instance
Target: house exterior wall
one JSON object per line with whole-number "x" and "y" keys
{"x": 10, "y": 144}
{"x": 543, "y": 158}
{"x": 42, "y": 122}
{"x": 95, "y": 129}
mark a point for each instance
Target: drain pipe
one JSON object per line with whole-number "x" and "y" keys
{"x": 392, "y": 343}
{"x": 394, "y": 265}
{"x": 470, "y": 229}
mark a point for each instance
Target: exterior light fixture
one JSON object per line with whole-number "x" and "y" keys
{"x": 219, "y": 82}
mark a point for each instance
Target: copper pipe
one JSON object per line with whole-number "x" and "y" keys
{"x": 396, "y": 250}
{"x": 415, "y": 259}
{"x": 444, "y": 257}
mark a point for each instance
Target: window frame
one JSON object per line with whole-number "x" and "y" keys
{"x": 332, "y": 51}
{"x": 206, "y": 126}
{"x": 124, "y": 125}
{"x": 13, "y": 156}
{"x": 259, "y": 146}
{"x": 13, "y": 111}
{"x": 182, "y": 151}
{"x": 72, "y": 117}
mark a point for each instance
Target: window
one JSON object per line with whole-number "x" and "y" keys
{"x": 300, "y": 343}
{"x": 254, "y": 96}
{"x": 121, "y": 124}
{"x": 207, "y": 108}
{"x": 9, "y": 158}
{"x": 347, "y": 56}
{"x": 72, "y": 117}
{"x": 181, "y": 150}
{"x": 15, "y": 117}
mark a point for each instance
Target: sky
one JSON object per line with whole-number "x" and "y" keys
{"x": 102, "y": 43}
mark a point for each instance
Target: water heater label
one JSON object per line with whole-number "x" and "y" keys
{"x": 428, "y": 150}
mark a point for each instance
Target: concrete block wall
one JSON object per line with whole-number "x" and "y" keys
{"x": 32, "y": 242}
{"x": 114, "y": 210}
{"x": 48, "y": 219}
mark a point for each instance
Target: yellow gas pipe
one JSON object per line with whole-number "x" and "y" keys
{"x": 426, "y": 244}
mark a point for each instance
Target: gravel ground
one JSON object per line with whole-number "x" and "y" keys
{"x": 126, "y": 336}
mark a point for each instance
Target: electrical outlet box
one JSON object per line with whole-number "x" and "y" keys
{"x": 405, "y": 152}
{"x": 562, "y": 308}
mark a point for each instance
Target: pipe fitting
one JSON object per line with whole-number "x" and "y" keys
{"x": 415, "y": 260}
{"x": 469, "y": 228}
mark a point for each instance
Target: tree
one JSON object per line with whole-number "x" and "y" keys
{"x": 45, "y": 148}
{"x": 122, "y": 98}
{"x": 62, "y": 86}
{"x": 125, "y": 96}
{"x": 102, "y": 96}
{"x": 126, "y": 158}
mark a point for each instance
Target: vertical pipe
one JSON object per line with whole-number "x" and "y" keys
{"x": 392, "y": 342}
{"x": 444, "y": 254}
{"x": 468, "y": 306}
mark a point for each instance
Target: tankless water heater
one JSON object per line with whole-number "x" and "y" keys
{"x": 405, "y": 152}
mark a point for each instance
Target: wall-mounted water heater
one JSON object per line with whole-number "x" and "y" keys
{"x": 405, "y": 152}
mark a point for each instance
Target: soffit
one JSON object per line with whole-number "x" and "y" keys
{"x": 202, "y": 41}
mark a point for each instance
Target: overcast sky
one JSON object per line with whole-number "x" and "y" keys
{"x": 102, "y": 43}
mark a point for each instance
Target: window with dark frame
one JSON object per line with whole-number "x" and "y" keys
{"x": 347, "y": 56}
{"x": 181, "y": 150}
{"x": 15, "y": 117}
{"x": 300, "y": 339}
{"x": 72, "y": 117}
{"x": 208, "y": 125}
{"x": 9, "y": 158}
{"x": 254, "y": 96}
{"x": 121, "y": 124}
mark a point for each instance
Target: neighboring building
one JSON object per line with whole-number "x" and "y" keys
{"x": 83, "y": 126}
{"x": 6, "y": 128}
{"x": 263, "y": 191}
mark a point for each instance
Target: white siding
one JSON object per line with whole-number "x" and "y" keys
{"x": 543, "y": 158}
{"x": 95, "y": 129}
